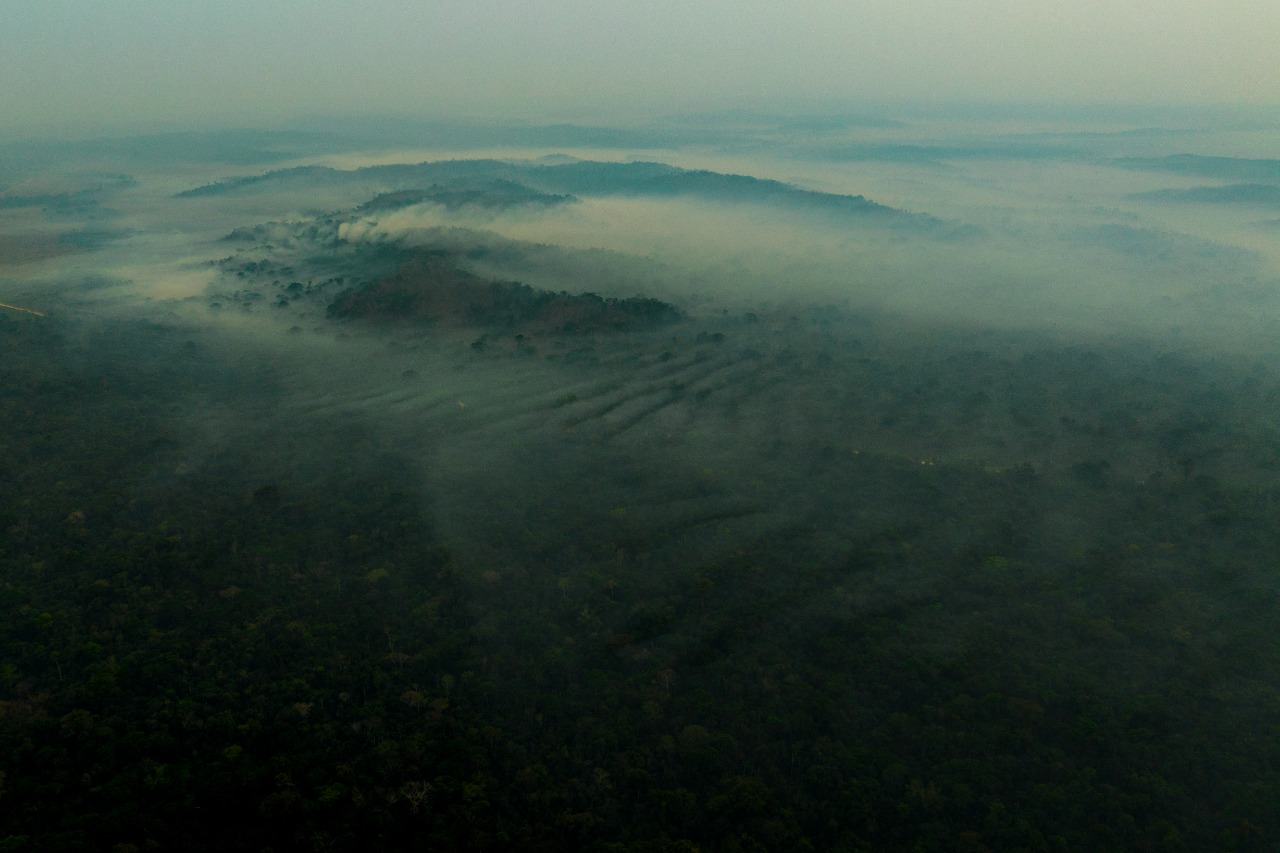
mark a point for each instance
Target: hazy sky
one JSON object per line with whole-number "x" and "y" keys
{"x": 119, "y": 62}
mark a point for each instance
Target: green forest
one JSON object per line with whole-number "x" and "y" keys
{"x": 1055, "y": 633}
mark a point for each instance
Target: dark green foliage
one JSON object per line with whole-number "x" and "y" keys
{"x": 253, "y": 639}
{"x": 492, "y": 195}
{"x": 429, "y": 288}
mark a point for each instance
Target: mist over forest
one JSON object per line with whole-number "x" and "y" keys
{"x": 895, "y": 480}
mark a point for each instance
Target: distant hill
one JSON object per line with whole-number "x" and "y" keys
{"x": 300, "y": 176}
{"x": 496, "y": 183}
{"x": 1223, "y": 168}
{"x": 1263, "y": 194}
{"x": 941, "y": 155}
{"x": 494, "y": 195}
{"x": 657, "y": 179}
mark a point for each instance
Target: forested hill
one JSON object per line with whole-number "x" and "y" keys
{"x": 429, "y": 288}
{"x": 587, "y": 179}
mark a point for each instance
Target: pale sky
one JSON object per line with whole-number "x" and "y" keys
{"x": 115, "y": 63}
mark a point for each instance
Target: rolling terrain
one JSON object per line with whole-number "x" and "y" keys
{"x": 566, "y": 503}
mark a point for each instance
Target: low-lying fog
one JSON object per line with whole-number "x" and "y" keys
{"x": 1050, "y": 239}
{"x": 998, "y": 244}
{"x": 1061, "y": 231}
{"x": 938, "y": 378}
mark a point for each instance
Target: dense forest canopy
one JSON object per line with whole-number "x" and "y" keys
{"x": 546, "y": 502}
